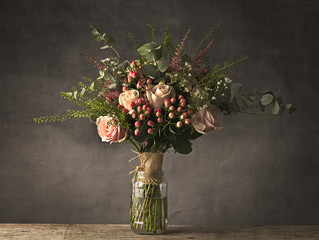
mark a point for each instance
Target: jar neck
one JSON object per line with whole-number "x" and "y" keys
{"x": 150, "y": 177}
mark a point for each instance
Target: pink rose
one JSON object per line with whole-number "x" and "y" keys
{"x": 109, "y": 130}
{"x": 156, "y": 95}
{"x": 126, "y": 98}
{"x": 207, "y": 119}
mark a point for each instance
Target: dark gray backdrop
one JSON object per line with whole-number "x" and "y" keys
{"x": 255, "y": 171}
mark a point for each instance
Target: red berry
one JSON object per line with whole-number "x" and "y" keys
{"x": 150, "y": 131}
{"x": 159, "y": 120}
{"x": 187, "y": 121}
{"x": 179, "y": 109}
{"x": 150, "y": 123}
{"x": 137, "y": 132}
{"x": 179, "y": 124}
{"x": 180, "y": 97}
{"x": 149, "y": 81}
{"x": 133, "y": 104}
{"x": 173, "y": 100}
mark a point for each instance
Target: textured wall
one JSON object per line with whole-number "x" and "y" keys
{"x": 255, "y": 171}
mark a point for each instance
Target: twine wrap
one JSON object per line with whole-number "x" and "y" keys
{"x": 150, "y": 170}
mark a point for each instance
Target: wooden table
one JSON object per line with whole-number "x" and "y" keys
{"x": 116, "y": 231}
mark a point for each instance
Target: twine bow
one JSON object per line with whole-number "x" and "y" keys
{"x": 151, "y": 165}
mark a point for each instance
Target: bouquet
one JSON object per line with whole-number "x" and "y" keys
{"x": 163, "y": 99}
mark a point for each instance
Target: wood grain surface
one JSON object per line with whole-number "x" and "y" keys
{"x": 116, "y": 231}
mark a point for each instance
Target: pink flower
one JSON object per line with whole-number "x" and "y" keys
{"x": 156, "y": 95}
{"x": 207, "y": 119}
{"x": 126, "y": 98}
{"x": 109, "y": 130}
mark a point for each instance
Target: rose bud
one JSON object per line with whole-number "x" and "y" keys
{"x": 150, "y": 131}
{"x": 144, "y": 107}
{"x": 125, "y": 88}
{"x": 133, "y": 104}
{"x": 139, "y": 108}
{"x": 134, "y": 115}
{"x": 130, "y": 73}
{"x": 133, "y": 63}
{"x": 138, "y": 85}
{"x": 137, "y": 124}
{"x": 150, "y": 123}
{"x": 171, "y": 115}
{"x": 149, "y": 81}
{"x": 171, "y": 108}
{"x": 180, "y": 97}
{"x": 173, "y": 100}
{"x": 187, "y": 121}
{"x": 158, "y": 114}
{"x": 148, "y": 111}
{"x": 179, "y": 124}
{"x": 179, "y": 109}
{"x": 137, "y": 132}
{"x": 159, "y": 120}
{"x": 142, "y": 116}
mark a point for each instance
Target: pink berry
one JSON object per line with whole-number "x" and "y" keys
{"x": 179, "y": 124}
{"x": 144, "y": 107}
{"x": 124, "y": 110}
{"x": 140, "y": 100}
{"x": 171, "y": 108}
{"x": 158, "y": 114}
{"x": 139, "y": 85}
{"x": 147, "y": 104}
{"x": 183, "y": 104}
{"x": 171, "y": 115}
{"x": 185, "y": 114}
{"x": 167, "y": 103}
{"x": 150, "y": 131}
{"x": 187, "y": 121}
{"x": 125, "y": 88}
{"x": 137, "y": 124}
{"x": 139, "y": 108}
{"x": 134, "y": 115}
{"x": 137, "y": 132}
{"x": 149, "y": 81}
{"x": 183, "y": 100}
{"x": 159, "y": 120}
{"x": 134, "y": 75}
{"x": 180, "y": 97}
{"x": 133, "y": 63}
{"x": 129, "y": 79}
{"x": 182, "y": 117}
{"x": 132, "y": 104}
{"x": 148, "y": 110}
{"x": 173, "y": 100}
{"x": 130, "y": 73}
{"x": 179, "y": 109}
{"x": 150, "y": 123}
{"x": 142, "y": 116}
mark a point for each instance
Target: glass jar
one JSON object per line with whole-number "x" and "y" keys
{"x": 148, "y": 209}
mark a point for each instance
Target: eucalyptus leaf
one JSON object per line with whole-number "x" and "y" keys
{"x": 163, "y": 63}
{"x": 266, "y": 99}
{"x": 92, "y": 86}
{"x": 235, "y": 88}
{"x": 146, "y": 48}
{"x": 247, "y": 102}
{"x": 149, "y": 70}
{"x": 113, "y": 85}
{"x": 275, "y": 108}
